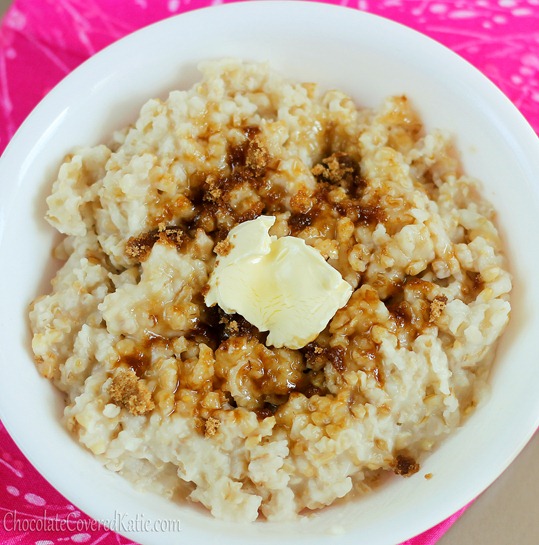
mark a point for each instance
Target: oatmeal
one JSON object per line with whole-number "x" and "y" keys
{"x": 167, "y": 390}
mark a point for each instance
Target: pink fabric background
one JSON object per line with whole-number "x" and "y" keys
{"x": 43, "y": 40}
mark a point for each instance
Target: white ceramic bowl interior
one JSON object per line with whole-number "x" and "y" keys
{"x": 369, "y": 58}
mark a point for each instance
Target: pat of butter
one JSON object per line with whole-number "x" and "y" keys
{"x": 280, "y": 285}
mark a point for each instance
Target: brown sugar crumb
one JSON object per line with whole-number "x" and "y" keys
{"x": 437, "y": 307}
{"x": 257, "y": 158}
{"x": 314, "y": 355}
{"x": 213, "y": 192}
{"x": 404, "y": 465}
{"x": 235, "y": 325}
{"x": 301, "y": 202}
{"x": 139, "y": 248}
{"x": 129, "y": 392}
{"x": 250, "y": 158}
{"x": 172, "y": 235}
{"x": 298, "y": 222}
{"x": 223, "y": 248}
{"x": 428, "y": 476}
{"x": 317, "y": 356}
{"x": 211, "y": 426}
{"x": 340, "y": 169}
{"x": 233, "y": 328}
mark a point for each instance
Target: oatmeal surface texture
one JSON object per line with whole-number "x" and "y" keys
{"x": 186, "y": 400}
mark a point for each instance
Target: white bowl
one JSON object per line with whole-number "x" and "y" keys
{"x": 369, "y": 58}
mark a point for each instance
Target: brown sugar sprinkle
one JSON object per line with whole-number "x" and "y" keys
{"x": 210, "y": 194}
{"x": 404, "y": 465}
{"x": 317, "y": 356}
{"x": 340, "y": 169}
{"x": 298, "y": 222}
{"x": 223, "y": 248}
{"x": 428, "y": 476}
{"x": 314, "y": 355}
{"x": 250, "y": 155}
{"x": 301, "y": 202}
{"x": 257, "y": 158}
{"x": 129, "y": 392}
{"x": 339, "y": 192}
{"x": 235, "y": 325}
{"x": 139, "y": 247}
{"x": 213, "y": 192}
{"x": 248, "y": 163}
{"x": 211, "y": 426}
{"x": 215, "y": 327}
{"x": 437, "y": 307}
{"x": 233, "y": 328}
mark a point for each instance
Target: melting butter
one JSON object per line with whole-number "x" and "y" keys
{"x": 279, "y": 285}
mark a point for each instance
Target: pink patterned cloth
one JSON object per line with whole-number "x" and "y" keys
{"x": 43, "y": 40}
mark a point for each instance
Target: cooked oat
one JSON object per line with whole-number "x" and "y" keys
{"x": 165, "y": 390}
